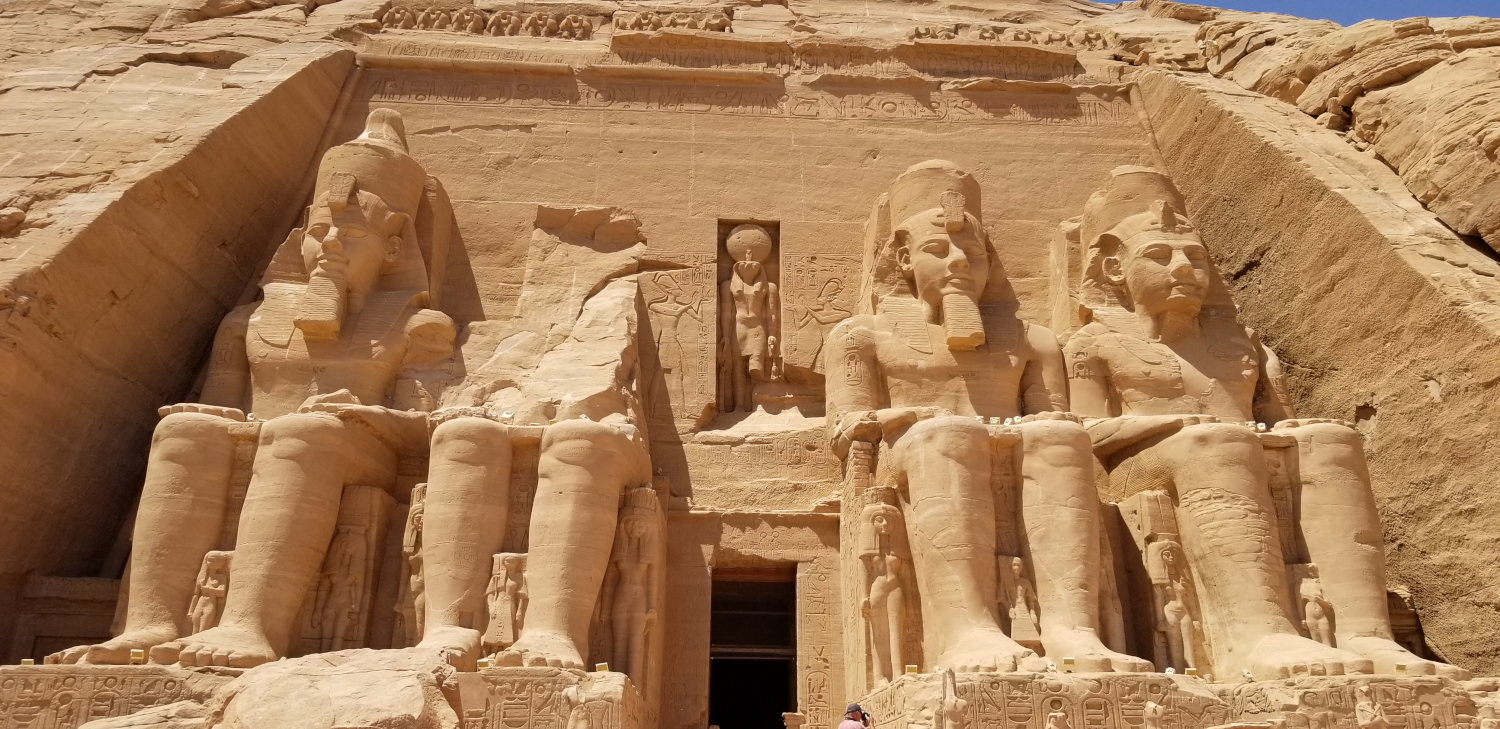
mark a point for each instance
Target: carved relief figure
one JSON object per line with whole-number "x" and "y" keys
{"x": 1172, "y": 377}
{"x": 935, "y": 348}
{"x": 411, "y": 606}
{"x": 954, "y": 710}
{"x": 1313, "y": 605}
{"x": 208, "y": 595}
{"x": 315, "y": 359}
{"x": 813, "y": 320}
{"x": 1368, "y": 713}
{"x": 630, "y": 587}
{"x": 674, "y": 304}
{"x": 506, "y": 598}
{"x": 749, "y": 320}
{"x": 1174, "y": 620}
{"x": 1018, "y": 599}
{"x": 552, "y": 392}
{"x": 336, "y": 605}
{"x": 884, "y": 556}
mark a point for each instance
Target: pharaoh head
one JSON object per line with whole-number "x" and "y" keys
{"x": 1145, "y": 248}
{"x": 639, "y": 519}
{"x": 360, "y": 223}
{"x": 429, "y": 336}
{"x": 929, "y": 244}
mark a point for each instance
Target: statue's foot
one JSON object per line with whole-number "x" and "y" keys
{"x": 989, "y": 651}
{"x": 1387, "y": 653}
{"x": 221, "y": 646}
{"x": 1089, "y": 654}
{"x": 535, "y": 648}
{"x": 458, "y": 647}
{"x": 1283, "y": 655}
{"x": 115, "y": 651}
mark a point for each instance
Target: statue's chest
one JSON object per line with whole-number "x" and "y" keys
{"x": 1213, "y": 379}
{"x": 749, "y": 297}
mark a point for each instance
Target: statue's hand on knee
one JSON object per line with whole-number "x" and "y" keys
{"x": 234, "y": 414}
{"x": 1052, "y": 415}
{"x": 1291, "y": 423}
{"x": 403, "y": 430}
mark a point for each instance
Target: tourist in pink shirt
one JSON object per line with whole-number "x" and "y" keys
{"x": 854, "y": 718}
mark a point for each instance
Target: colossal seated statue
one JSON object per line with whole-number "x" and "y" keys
{"x": 341, "y": 325}
{"x": 1176, "y": 385}
{"x": 935, "y": 351}
{"x": 565, "y": 374}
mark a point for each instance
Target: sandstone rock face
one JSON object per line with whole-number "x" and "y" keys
{"x": 1036, "y": 363}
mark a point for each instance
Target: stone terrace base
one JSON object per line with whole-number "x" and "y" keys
{"x": 65, "y": 697}
{"x": 1118, "y": 701}
{"x": 535, "y": 698}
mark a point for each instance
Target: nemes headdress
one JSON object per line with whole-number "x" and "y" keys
{"x": 1137, "y": 200}
{"x": 931, "y": 194}
{"x": 378, "y": 165}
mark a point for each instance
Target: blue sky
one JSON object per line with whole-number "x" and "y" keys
{"x": 1348, "y": 12}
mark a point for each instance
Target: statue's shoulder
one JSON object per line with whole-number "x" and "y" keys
{"x": 860, "y": 329}
{"x": 1087, "y": 337}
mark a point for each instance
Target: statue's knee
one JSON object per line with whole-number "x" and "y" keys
{"x": 1219, "y": 435}
{"x": 464, "y": 433}
{"x": 1050, "y": 433}
{"x": 583, "y": 442}
{"x": 946, "y": 432}
{"x": 195, "y": 427}
{"x": 1330, "y": 433}
{"x": 312, "y": 429}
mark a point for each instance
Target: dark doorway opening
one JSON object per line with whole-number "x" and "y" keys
{"x": 753, "y": 648}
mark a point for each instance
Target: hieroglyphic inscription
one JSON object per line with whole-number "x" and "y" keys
{"x": 819, "y": 648}
{"x": 1280, "y": 467}
{"x": 818, "y": 291}
{"x": 540, "y": 92}
{"x": 1330, "y": 703}
{"x": 523, "y": 465}
{"x": 681, "y": 304}
{"x": 533, "y": 699}
{"x": 65, "y": 697}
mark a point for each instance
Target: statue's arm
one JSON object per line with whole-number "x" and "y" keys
{"x": 1044, "y": 382}
{"x": 773, "y": 328}
{"x": 1088, "y": 377}
{"x": 1272, "y": 404}
{"x": 853, "y": 393}
{"x": 228, "y": 380}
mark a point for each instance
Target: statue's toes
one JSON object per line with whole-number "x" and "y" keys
{"x": 166, "y": 653}
{"x": 509, "y": 659}
{"x": 535, "y": 659}
{"x": 1358, "y": 665}
{"x": 1452, "y": 672}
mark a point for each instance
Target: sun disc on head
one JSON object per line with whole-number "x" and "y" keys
{"x": 749, "y": 242}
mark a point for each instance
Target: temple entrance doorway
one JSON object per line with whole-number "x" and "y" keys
{"x": 753, "y": 647}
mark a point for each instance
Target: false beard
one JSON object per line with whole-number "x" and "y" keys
{"x": 962, "y": 322}
{"x": 320, "y": 312}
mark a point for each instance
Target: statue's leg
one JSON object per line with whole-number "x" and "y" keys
{"x": 583, "y": 469}
{"x": 895, "y": 614}
{"x": 1341, "y": 528}
{"x": 951, "y": 523}
{"x": 1230, "y": 536}
{"x": 881, "y": 638}
{"x": 464, "y": 516}
{"x": 180, "y": 518}
{"x": 1060, "y": 520}
{"x": 289, "y": 518}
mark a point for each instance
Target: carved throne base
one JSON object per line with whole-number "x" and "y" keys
{"x": 1118, "y": 701}
{"x": 539, "y": 698}
{"x": 65, "y": 697}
